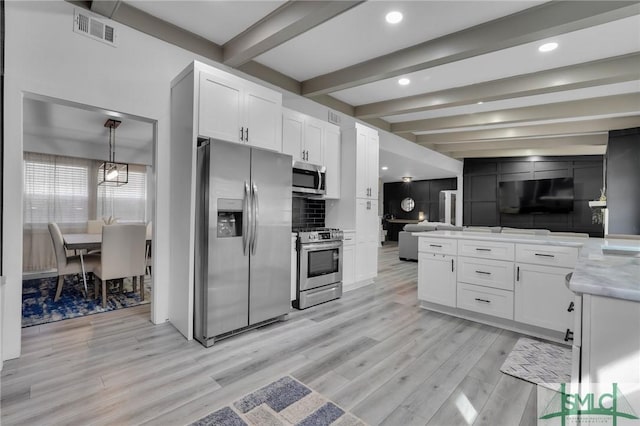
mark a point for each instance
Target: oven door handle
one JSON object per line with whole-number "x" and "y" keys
{"x": 308, "y": 247}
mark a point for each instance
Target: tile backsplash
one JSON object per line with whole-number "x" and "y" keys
{"x": 307, "y": 212}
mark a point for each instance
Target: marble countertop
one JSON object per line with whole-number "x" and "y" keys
{"x": 596, "y": 272}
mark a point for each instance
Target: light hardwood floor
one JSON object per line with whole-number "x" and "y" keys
{"x": 374, "y": 352}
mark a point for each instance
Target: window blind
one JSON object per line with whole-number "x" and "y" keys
{"x": 56, "y": 191}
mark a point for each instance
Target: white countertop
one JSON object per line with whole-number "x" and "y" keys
{"x": 596, "y": 273}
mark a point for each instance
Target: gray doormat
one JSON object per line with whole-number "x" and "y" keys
{"x": 282, "y": 403}
{"x": 538, "y": 362}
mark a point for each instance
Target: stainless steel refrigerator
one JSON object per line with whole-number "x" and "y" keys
{"x": 243, "y": 239}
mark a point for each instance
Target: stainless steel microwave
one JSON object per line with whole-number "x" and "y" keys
{"x": 309, "y": 178}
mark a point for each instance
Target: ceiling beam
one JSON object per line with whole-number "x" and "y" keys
{"x": 607, "y": 71}
{"x": 534, "y": 143}
{"x": 543, "y": 21}
{"x": 105, "y": 7}
{"x": 272, "y": 76}
{"x": 616, "y": 104}
{"x": 527, "y": 152}
{"x": 548, "y": 129}
{"x": 288, "y": 21}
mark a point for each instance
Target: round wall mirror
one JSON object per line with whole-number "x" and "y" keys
{"x": 407, "y": 204}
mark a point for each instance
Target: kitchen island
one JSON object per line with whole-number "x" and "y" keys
{"x": 519, "y": 282}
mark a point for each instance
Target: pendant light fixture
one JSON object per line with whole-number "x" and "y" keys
{"x": 110, "y": 172}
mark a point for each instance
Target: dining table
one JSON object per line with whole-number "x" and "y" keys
{"x": 86, "y": 242}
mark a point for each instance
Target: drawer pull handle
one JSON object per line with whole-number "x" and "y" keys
{"x": 435, "y": 245}
{"x": 483, "y": 300}
{"x": 483, "y": 272}
{"x": 451, "y": 265}
{"x": 518, "y": 273}
{"x": 482, "y": 249}
{"x": 571, "y": 307}
{"x": 544, "y": 255}
{"x": 568, "y": 335}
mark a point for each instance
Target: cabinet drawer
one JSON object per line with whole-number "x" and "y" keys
{"x": 438, "y": 245}
{"x": 547, "y": 255}
{"x": 349, "y": 238}
{"x": 486, "y": 272}
{"x": 490, "y": 301}
{"x": 486, "y": 249}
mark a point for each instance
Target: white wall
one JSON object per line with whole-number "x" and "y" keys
{"x": 44, "y": 57}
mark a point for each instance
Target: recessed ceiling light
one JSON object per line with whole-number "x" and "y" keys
{"x": 548, "y": 47}
{"x": 404, "y": 81}
{"x": 384, "y": 168}
{"x": 394, "y": 17}
{"x": 407, "y": 178}
{"x": 480, "y": 102}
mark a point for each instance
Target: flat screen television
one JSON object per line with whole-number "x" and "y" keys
{"x": 536, "y": 196}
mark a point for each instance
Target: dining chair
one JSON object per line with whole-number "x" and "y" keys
{"x": 123, "y": 255}
{"x": 68, "y": 265}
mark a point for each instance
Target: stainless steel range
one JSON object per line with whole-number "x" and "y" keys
{"x": 319, "y": 266}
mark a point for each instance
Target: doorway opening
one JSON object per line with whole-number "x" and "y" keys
{"x": 68, "y": 207}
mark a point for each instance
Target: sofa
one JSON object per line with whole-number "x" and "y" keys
{"x": 408, "y": 244}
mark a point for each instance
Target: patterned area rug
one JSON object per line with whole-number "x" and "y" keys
{"x": 538, "y": 362}
{"x": 283, "y": 402}
{"x": 38, "y": 306}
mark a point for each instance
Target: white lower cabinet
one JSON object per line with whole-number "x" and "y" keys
{"x": 485, "y": 300}
{"x": 349, "y": 258}
{"x": 610, "y": 340}
{"x": 541, "y": 297}
{"x": 366, "y": 239}
{"x": 517, "y": 282}
{"x": 437, "y": 278}
{"x": 489, "y": 273}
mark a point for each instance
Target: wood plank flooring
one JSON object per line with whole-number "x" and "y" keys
{"x": 374, "y": 352}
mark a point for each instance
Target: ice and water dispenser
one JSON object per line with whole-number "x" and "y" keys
{"x": 229, "y": 222}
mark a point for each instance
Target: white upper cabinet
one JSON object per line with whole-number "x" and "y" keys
{"x": 367, "y": 145}
{"x": 292, "y": 134}
{"x": 237, "y": 110}
{"x": 220, "y": 109}
{"x": 313, "y": 142}
{"x": 303, "y": 137}
{"x": 263, "y": 108}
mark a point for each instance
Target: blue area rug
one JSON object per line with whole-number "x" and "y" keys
{"x": 284, "y": 402}
{"x": 38, "y": 306}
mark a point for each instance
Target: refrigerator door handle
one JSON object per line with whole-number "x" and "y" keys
{"x": 254, "y": 234}
{"x": 246, "y": 217}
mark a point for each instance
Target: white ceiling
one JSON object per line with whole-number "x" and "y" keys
{"x": 57, "y": 122}
{"x": 398, "y": 166}
{"x": 574, "y": 48}
{"x": 217, "y": 21}
{"x": 344, "y": 55}
{"x": 362, "y": 33}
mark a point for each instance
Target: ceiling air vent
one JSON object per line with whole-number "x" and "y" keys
{"x": 334, "y": 117}
{"x": 93, "y": 28}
